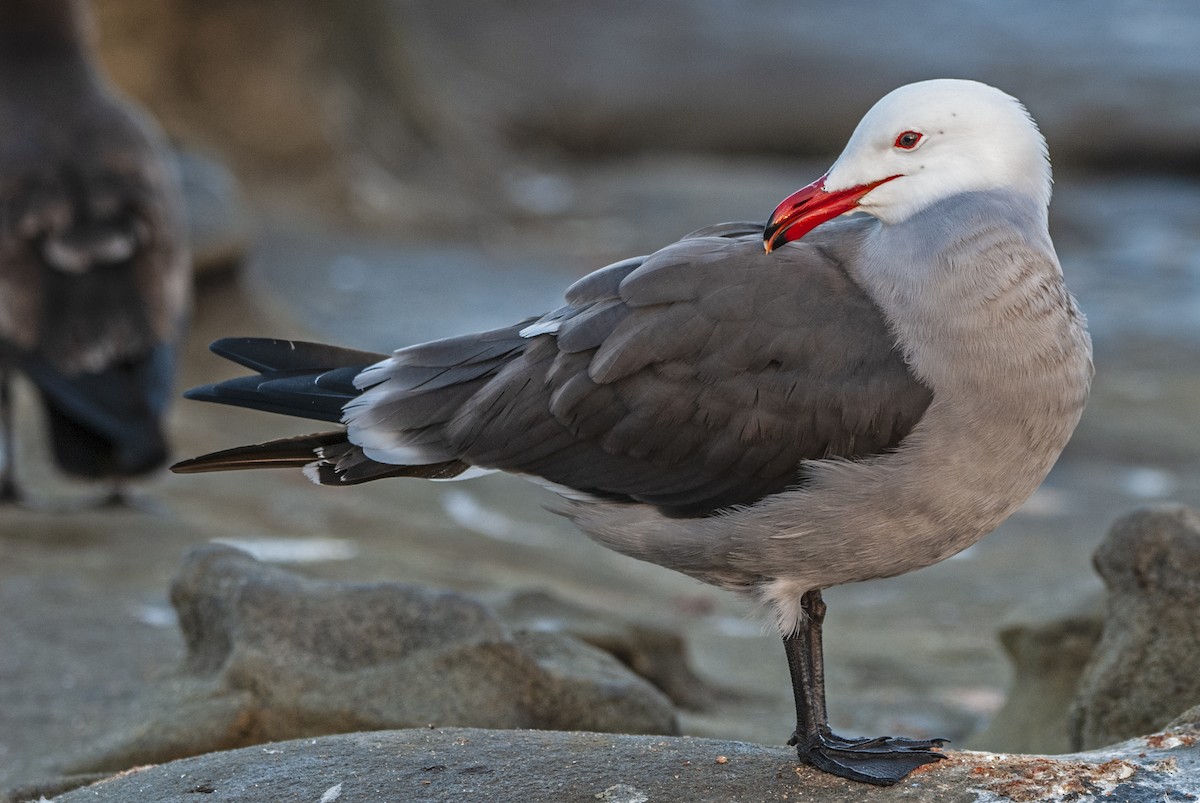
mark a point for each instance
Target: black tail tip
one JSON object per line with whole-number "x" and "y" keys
{"x": 201, "y": 393}
{"x": 183, "y": 466}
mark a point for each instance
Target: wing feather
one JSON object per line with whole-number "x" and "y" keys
{"x": 699, "y": 377}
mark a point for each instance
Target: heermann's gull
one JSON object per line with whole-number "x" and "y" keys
{"x": 867, "y": 398}
{"x": 94, "y": 273}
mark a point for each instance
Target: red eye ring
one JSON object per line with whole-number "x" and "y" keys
{"x": 908, "y": 140}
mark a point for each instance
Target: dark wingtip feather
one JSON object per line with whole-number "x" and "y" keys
{"x": 295, "y": 452}
{"x": 201, "y": 393}
{"x": 276, "y": 354}
{"x": 294, "y": 395}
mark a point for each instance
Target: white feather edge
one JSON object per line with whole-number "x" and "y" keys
{"x": 540, "y": 328}
{"x": 313, "y": 472}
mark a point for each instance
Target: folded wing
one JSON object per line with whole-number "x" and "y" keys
{"x": 697, "y": 378}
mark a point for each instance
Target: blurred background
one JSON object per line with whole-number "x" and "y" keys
{"x": 384, "y": 171}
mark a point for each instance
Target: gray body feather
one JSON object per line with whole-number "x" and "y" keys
{"x": 863, "y": 402}
{"x": 973, "y": 291}
{"x": 695, "y": 379}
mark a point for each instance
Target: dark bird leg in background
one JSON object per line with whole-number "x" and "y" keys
{"x": 883, "y": 760}
{"x": 8, "y": 483}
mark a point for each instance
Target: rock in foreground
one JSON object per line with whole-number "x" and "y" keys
{"x": 652, "y": 651}
{"x": 1146, "y": 668}
{"x": 273, "y": 656}
{"x": 1048, "y": 654}
{"x": 543, "y": 766}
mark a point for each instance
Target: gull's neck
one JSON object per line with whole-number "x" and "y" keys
{"x": 962, "y": 283}
{"x": 930, "y": 251}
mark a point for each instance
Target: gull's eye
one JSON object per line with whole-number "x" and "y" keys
{"x": 908, "y": 140}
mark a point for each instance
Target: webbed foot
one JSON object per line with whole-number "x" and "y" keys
{"x": 882, "y": 760}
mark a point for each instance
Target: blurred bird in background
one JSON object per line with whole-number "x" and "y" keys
{"x": 94, "y": 269}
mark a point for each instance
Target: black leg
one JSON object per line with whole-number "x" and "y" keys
{"x": 8, "y": 447}
{"x": 883, "y": 760}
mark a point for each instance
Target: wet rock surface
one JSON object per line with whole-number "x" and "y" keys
{"x": 274, "y": 656}
{"x": 1146, "y": 669}
{"x": 540, "y": 767}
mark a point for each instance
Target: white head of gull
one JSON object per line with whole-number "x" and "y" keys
{"x": 870, "y": 396}
{"x": 929, "y": 141}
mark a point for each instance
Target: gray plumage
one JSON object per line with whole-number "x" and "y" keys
{"x": 692, "y": 380}
{"x": 94, "y": 272}
{"x": 644, "y": 387}
{"x": 870, "y": 396}
{"x": 988, "y": 325}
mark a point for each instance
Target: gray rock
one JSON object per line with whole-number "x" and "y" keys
{"x": 1048, "y": 655}
{"x": 655, "y": 653}
{"x": 273, "y": 656}
{"x": 1189, "y": 719}
{"x": 545, "y": 766}
{"x": 1146, "y": 669}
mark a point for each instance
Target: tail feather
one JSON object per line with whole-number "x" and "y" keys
{"x": 340, "y": 380}
{"x": 294, "y": 395}
{"x": 266, "y": 354}
{"x": 306, "y": 380}
{"x": 326, "y": 474}
{"x": 294, "y": 452}
{"x": 346, "y": 464}
{"x": 327, "y": 458}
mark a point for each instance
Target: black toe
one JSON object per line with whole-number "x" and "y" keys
{"x": 882, "y": 761}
